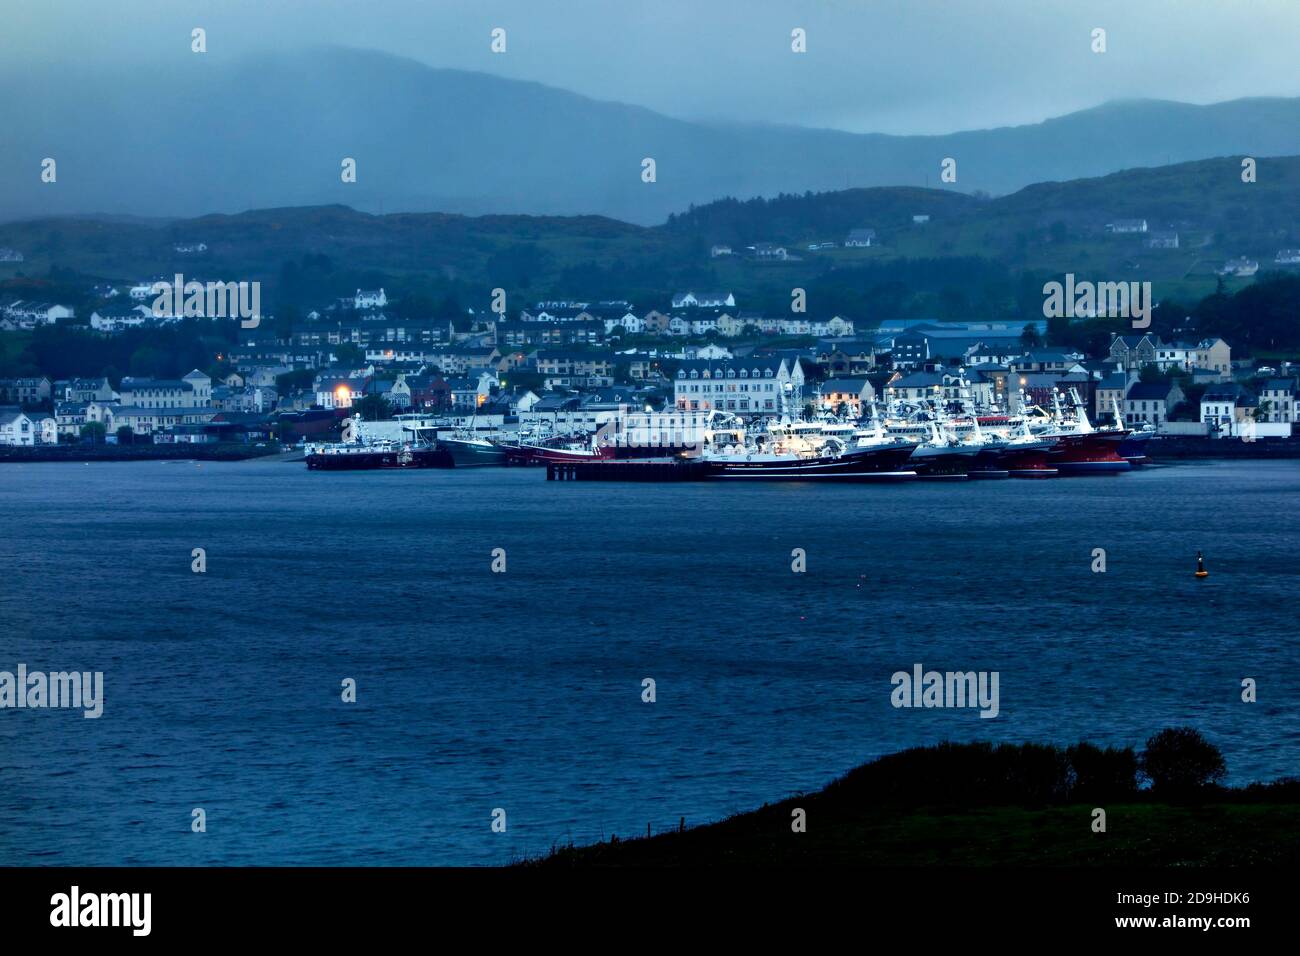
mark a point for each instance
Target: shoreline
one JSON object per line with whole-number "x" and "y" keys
{"x": 1159, "y": 451}
{"x": 980, "y": 804}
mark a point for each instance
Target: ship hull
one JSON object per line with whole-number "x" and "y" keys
{"x": 871, "y": 464}
{"x": 377, "y": 460}
{"x": 544, "y": 455}
{"x": 1096, "y": 453}
{"x": 938, "y": 464}
{"x": 472, "y": 454}
{"x": 1133, "y": 449}
{"x": 989, "y": 463}
{"x": 1029, "y": 460}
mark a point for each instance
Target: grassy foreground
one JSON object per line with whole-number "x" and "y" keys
{"x": 1023, "y": 806}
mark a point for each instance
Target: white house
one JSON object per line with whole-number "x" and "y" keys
{"x": 704, "y": 300}
{"x": 703, "y": 324}
{"x": 860, "y": 238}
{"x": 369, "y": 299}
{"x": 1240, "y": 267}
{"x": 769, "y": 250}
{"x": 16, "y": 428}
{"x": 1225, "y": 407}
{"x": 30, "y": 314}
{"x": 1122, "y": 227}
{"x": 632, "y": 323}
{"x": 114, "y": 318}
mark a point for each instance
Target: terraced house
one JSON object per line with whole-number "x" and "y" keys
{"x": 24, "y": 391}
{"x": 1150, "y": 402}
{"x": 1277, "y": 401}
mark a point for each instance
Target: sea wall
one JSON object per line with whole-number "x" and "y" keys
{"x": 1165, "y": 447}
{"x": 217, "y": 451}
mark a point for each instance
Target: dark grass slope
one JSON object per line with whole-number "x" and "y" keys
{"x": 981, "y": 805}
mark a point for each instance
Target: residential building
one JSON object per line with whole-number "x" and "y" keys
{"x": 770, "y": 250}
{"x": 25, "y": 391}
{"x": 16, "y": 428}
{"x": 1278, "y": 401}
{"x": 1134, "y": 351}
{"x": 192, "y": 391}
{"x": 114, "y": 318}
{"x": 704, "y": 300}
{"x": 1126, "y": 226}
{"x": 1161, "y": 240}
{"x": 1225, "y": 406}
{"x": 1240, "y": 267}
{"x": 1109, "y": 394}
{"x": 369, "y": 299}
{"x": 1214, "y": 355}
{"x": 753, "y": 385}
{"x": 1150, "y": 402}
{"x": 847, "y": 395}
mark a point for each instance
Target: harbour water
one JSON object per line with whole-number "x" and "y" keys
{"x": 522, "y": 690}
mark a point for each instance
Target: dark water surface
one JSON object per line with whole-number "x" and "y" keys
{"x": 522, "y": 690}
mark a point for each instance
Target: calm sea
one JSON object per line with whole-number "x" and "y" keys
{"x": 523, "y": 690}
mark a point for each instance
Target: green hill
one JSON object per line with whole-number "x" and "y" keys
{"x": 973, "y": 253}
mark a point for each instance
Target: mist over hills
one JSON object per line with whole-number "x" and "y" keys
{"x": 206, "y": 136}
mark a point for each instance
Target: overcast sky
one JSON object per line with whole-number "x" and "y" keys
{"x": 897, "y": 66}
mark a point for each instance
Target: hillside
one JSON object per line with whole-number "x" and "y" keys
{"x": 972, "y": 253}
{"x": 272, "y": 129}
{"x": 980, "y": 805}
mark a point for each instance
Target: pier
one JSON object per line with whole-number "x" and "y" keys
{"x": 671, "y": 470}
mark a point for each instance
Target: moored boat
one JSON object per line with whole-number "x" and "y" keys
{"x": 470, "y": 452}
{"x": 882, "y": 463}
{"x": 349, "y": 456}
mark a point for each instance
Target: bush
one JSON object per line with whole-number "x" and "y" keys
{"x": 1102, "y": 774}
{"x": 952, "y": 774}
{"x": 1179, "y": 760}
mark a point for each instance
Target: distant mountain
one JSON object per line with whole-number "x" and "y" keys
{"x": 205, "y": 136}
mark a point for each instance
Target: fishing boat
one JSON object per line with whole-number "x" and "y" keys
{"x": 1027, "y": 455}
{"x": 469, "y": 451}
{"x": 1132, "y": 449}
{"x": 790, "y": 452}
{"x": 1080, "y": 448}
{"x": 371, "y": 445}
{"x": 364, "y": 456}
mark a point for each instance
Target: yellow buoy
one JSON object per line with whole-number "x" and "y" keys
{"x": 1200, "y": 566}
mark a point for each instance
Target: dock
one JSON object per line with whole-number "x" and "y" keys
{"x": 670, "y": 470}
